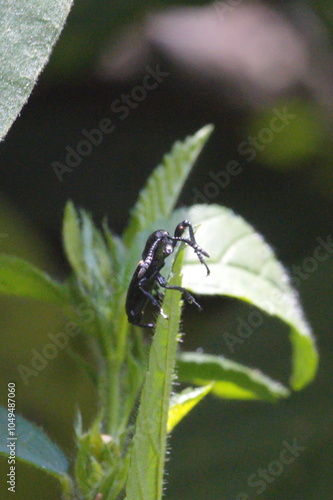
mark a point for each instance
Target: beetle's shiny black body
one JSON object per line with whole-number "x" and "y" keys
{"x": 147, "y": 275}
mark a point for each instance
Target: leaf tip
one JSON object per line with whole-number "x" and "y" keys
{"x": 205, "y": 131}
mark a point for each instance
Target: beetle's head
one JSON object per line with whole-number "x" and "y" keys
{"x": 154, "y": 242}
{"x": 179, "y": 231}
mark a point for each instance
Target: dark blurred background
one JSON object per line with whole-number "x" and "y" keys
{"x": 236, "y": 64}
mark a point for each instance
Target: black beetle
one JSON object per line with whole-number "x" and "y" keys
{"x": 147, "y": 275}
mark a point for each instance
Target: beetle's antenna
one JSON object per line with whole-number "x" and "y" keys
{"x": 198, "y": 250}
{"x": 190, "y": 241}
{"x": 148, "y": 260}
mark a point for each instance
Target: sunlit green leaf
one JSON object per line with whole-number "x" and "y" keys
{"x": 182, "y": 403}
{"x": 230, "y": 380}
{"x": 242, "y": 265}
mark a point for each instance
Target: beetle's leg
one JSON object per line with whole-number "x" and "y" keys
{"x": 144, "y": 325}
{"x": 135, "y": 319}
{"x": 154, "y": 301}
{"x": 188, "y": 297}
{"x": 157, "y": 294}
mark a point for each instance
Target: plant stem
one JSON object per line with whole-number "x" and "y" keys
{"x": 115, "y": 360}
{"x": 145, "y": 479}
{"x": 113, "y": 397}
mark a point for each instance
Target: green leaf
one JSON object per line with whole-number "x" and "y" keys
{"x": 28, "y": 30}
{"x": 145, "y": 480}
{"x": 86, "y": 250}
{"x": 118, "y": 256}
{"x": 158, "y": 198}
{"x": 72, "y": 241}
{"x": 114, "y": 479}
{"x": 95, "y": 253}
{"x": 115, "y": 247}
{"x": 182, "y": 403}
{"x": 242, "y": 265}
{"x": 230, "y": 380}
{"x": 20, "y": 278}
{"x": 32, "y": 446}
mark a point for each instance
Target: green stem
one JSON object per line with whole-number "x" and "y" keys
{"x": 113, "y": 400}
{"x": 145, "y": 480}
{"x": 115, "y": 360}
